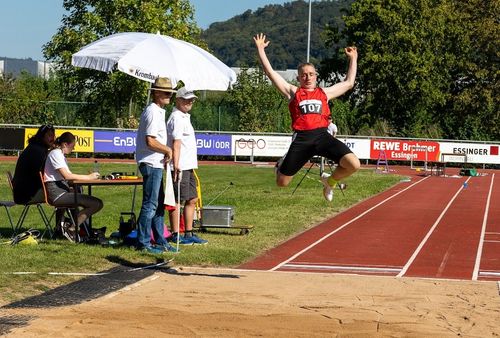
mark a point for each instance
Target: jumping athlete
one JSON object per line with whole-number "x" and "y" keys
{"x": 308, "y": 106}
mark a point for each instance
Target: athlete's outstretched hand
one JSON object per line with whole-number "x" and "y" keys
{"x": 351, "y": 52}
{"x": 260, "y": 41}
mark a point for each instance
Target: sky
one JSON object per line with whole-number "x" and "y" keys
{"x": 26, "y": 25}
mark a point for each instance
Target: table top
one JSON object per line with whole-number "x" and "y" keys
{"x": 137, "y": 181}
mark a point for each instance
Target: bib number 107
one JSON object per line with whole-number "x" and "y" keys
{"x": 310, "y": 108}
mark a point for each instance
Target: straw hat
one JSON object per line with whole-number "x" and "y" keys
{"x": 162, "y": 84}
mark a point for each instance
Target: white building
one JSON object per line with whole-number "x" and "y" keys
{"x": 14, "y": 67}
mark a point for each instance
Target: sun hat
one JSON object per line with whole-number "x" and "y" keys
{"x": 185, "y": 94}
{"x": 162, "y": 84}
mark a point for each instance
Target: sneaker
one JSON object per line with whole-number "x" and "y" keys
{"x": 170, "y": 248}
{"x": 197, "y": 240}
{"x": 153, "y": 250}
{"x": 182, "y": 240}
{"x": 327, "y": 190}
{"x": 69, "y": 231}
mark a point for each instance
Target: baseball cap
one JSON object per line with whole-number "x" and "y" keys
{"x": 183, "y": 93}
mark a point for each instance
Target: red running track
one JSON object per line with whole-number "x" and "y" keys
{"x": 431, "y": 227}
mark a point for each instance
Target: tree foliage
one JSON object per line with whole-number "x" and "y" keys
{"x": 27, "y": 99}
{"x": 427, "y": 68}
{"x": 287, "y": 28}
{"x": 259, "y": 106}
{"x": 115, "y": 95}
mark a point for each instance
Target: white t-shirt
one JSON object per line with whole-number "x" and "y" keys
{"x": 152, "y": 124}
{"x": 55, "y": 160}
{"x": 179, "y": 127}
{"x": 332, "y": 128}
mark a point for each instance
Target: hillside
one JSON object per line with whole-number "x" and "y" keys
{"x": 285, "y": 26}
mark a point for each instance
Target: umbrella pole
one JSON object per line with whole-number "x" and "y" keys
{"x": 149, "y": 94}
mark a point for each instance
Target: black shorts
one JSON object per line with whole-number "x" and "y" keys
{"x": 309, "y": 143}
{"x": 188, "y": 186}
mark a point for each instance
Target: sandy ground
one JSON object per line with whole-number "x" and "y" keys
{"x": 198, "y": 302}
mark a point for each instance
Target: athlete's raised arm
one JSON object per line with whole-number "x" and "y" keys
{"x": 341, "y": 88}
{"x": 287, "y": 89}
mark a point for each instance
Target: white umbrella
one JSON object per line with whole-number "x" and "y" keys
{"x": 148, "y": 56}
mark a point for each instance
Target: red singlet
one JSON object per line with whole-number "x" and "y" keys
{"x": 309, "y": 109}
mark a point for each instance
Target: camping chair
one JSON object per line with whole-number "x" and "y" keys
{"x": 67, "y": 212}
{"x": 25, "y": 210}
{"x": 7, "y": 205}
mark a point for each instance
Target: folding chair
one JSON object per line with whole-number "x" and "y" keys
{"x": 67, "y": 211}
{"x": 25, "y": 210}
{"x": 7, "y": 205}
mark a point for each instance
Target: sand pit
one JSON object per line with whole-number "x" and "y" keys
{"x": 190, "y": 302}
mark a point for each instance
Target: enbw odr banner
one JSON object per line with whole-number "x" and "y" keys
{"x": 84, "y": 138}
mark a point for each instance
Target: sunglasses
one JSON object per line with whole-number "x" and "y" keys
{"x": 46, "y": 127}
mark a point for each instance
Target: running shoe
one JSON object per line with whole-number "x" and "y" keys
{"x": 69, "y": 231}
{"x": 197, "y": 240}
{"x": 327, "y": 190}
{"x": 182, "y": 240}
{"x": 170, "y": 248}
{"x": 153, "y": 250}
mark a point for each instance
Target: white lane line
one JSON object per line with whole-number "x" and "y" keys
{"x": 483, "y": 230}
{"x": 489, "y": 273}
{"x": 429, "y": 233}
{"x": 344, "y": 225}
{"x": 340, "y": 268}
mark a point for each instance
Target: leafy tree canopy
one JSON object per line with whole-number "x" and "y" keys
{"x": 426, "y": 68}
{"x": 89, "y": 20}
{"x": 287, "y": 28}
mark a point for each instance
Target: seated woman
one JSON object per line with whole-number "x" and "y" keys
{"x": 56, "y": 177}
{"x": 26, "y": 182}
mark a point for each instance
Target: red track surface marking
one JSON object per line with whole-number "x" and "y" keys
{"x": 435, "y": 228}
{"x": 324, "y": 230}
{"x": 384, "y": 239}
{"x": 489, "y": 267}
{"x": 449, "y": 249}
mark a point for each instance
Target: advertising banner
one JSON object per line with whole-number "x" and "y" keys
{"x": 474, "y": 152}
{"x": 12, "y": 139}
{"x": 360, "y": 147}
{"x": 257, "y": 145}
{"x": 213, "y": 144}
{"x": 114, "y": 142}
{"x": 405, "y": 150}
{"x": 84, "y": 138}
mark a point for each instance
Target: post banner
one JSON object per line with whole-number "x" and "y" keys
{"x": 405, "y": 150}
{"x": 114, "y": 142}
{"x": 213, "y": 144}
{"x": 84, "y": 138}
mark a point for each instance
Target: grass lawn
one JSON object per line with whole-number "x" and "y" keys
{"x": 273, "y": 212}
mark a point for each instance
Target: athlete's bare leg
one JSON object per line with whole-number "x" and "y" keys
{"x": 283, "y": 180}
{"x": 348, "y": 165}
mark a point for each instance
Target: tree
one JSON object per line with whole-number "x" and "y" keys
{"x": 260, "y": 107}
{"x": 27, "y": 99}
{"x": 114, "y": 95}
{"x": 427, "y": 68}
